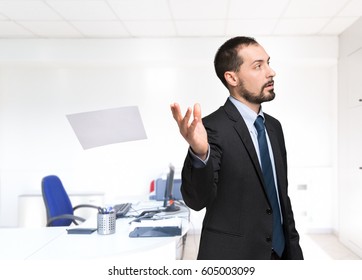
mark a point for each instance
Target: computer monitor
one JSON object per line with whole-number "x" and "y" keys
{"x": 168, "y": 202}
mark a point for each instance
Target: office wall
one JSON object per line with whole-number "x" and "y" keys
{"x": 43, "y": 80}
{"x": 350, "y": 137}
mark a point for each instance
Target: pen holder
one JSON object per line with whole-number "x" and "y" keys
{"x": 106, "y": 223}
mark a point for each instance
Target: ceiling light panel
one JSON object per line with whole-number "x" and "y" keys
{"x": 250, "y": 27}
{"x": 200, "y": 28}
{"x": 2, "y": 17}
{"x": 27, "y": 10}
{"x": 101, "y": 29}
{"x": 338, "y": 25}
{"x": 54, "y": 29}
{"x": 9, "y": 29}
{"x": 83, "y": 10}
{"x": 201, "y": 9}
{"x": 314, "y": 8}
{"x": 353, "y": 8}
{"x": 141, "y": 9}
{"x": 152, "y": 28}
{"x": 311, "y": 26}
{"x": 256, "y": 9}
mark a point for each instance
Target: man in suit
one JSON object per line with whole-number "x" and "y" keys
{"x": 223, "y": 168}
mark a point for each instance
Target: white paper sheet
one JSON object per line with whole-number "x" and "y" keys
{"x": 109, "y": 126}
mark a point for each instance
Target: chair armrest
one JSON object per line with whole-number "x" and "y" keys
{"x": 86, "y": 206}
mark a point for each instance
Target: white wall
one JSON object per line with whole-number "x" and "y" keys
{"x": 350, "y": 137}
{"x": 43, "y": 80}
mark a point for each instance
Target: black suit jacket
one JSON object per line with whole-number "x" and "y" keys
{"x": 238, "y": 219}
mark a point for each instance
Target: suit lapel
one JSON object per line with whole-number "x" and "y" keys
{"x": 243, "y": 131}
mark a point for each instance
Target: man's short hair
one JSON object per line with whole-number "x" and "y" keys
{"x": 227, "y": 59}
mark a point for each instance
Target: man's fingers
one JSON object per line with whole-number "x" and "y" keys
{"x": 182, "y": 121}
{"x": 197, "y": 111}
{"x": 176, "y": 112}
{"x": 186, "y": 126}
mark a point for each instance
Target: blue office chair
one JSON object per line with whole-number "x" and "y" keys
{"x": 59, "y": 209}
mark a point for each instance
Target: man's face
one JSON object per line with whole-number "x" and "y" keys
{"x": 255, "y": 76}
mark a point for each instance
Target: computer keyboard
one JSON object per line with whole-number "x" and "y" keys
{"x": 122, "y": 209}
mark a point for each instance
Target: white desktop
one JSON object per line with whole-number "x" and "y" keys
{"x": 51, "y": 243}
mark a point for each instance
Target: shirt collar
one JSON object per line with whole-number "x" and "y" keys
{"x": 248, "y": 114}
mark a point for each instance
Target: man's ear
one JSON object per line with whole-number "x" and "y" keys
{"x": 231, "y": 78}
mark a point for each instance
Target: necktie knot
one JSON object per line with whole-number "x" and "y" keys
{"x": 259, "y": 123}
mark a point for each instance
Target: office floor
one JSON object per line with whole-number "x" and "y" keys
{"x": 315, "y": 247}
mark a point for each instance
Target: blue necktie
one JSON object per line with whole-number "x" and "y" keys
{"x": 278, "y": 236}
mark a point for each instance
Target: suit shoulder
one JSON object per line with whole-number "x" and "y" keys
{"x": 215, "y": 116}
{"x": 271, "y": 119}
{"x": 226, "y": 112}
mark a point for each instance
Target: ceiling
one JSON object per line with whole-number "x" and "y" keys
{"x": 174, "y": 18}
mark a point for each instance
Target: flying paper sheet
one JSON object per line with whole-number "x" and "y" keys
{"x": 110, "y": 126}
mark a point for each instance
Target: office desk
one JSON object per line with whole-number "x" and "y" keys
{"x": 54, "y": 243}
{"x": 22, "y": 243}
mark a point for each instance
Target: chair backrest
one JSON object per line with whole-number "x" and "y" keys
{"x": 56, "y": 200}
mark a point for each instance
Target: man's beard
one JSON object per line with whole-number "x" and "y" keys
{"x": 256, "y": 98}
